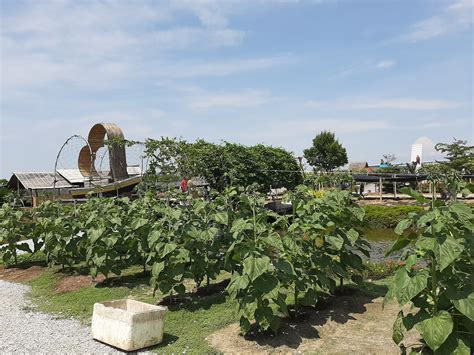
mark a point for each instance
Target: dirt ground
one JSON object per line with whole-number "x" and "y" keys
{"x": 20, "y": 274}
{"x": 76, "y": 282}
{"x": 67, "y": 283}
{"x": 351, "y": 324}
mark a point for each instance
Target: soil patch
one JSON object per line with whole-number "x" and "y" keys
{"x": 20, "y": 274}
{"x": 76, "y": 282}
{"x": 351, "y": 324}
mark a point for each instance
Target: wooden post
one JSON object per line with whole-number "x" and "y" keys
{"x": 380, "y": 187}
{"x": 394, "y": 189}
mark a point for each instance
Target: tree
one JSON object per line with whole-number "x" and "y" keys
{"x": 459, "y": 155}
{"x": 221, "y": 165}
{"x": 389, "y": 158}
{"x": 326, "y": 153}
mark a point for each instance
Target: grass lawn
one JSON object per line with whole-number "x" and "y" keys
{"x": 186, "y": 325}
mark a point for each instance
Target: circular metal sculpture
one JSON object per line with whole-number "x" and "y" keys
{"x": 116, "y": 152}
{"x": 65, "y": 165}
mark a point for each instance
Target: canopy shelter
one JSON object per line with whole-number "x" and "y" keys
{"x": 35, "y": 186}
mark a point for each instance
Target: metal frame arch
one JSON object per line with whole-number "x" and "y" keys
{"x": 60, "y": 151}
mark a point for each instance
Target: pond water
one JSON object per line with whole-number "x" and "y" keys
{"x": 380, "y": 235}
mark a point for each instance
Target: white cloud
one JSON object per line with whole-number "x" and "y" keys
{"x": 385, "y": 64}
{"x": 429, "y": 152}
{"x": 295, "y": 129}
{"x": 95, "y": 44}
{"x": 230, "y": 100}
{"x": 369, "y": 103}
{"x": 456, "y": 17}
{"x": 187, "y": 69}
{"x": 403, "y": 104}
{"x": 366, "y": 67}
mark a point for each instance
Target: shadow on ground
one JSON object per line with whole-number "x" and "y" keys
{"x": 337, "y": 310}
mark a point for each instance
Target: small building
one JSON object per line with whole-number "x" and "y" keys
{"x": 67, "y": 184}
{"x": 34, "y": 187}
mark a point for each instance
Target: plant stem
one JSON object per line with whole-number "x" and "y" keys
{"x": 434, "y": 283}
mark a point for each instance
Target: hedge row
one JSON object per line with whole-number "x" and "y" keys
{"x": 387, "y": 217}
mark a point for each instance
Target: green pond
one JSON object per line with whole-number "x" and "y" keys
{"x": 380, "y": 235}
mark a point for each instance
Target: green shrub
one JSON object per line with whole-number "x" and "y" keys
{"x": 377, "y": 216}
{"x": 377, "y": 271}
{"x": 436, "y": 278}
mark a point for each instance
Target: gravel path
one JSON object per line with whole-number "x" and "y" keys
{"x": 24, "y": 331}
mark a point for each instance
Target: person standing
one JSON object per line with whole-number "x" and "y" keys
{"x": 184, "y": 185}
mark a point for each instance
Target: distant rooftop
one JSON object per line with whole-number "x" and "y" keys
{"x": 38, "y": 180}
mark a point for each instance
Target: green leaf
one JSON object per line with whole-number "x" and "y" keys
{"x": 284, "y": 266}
{"x": 244, "y": 324}
{"x": 180, "y": 289}
{"x": 436, "y": 330}
{"x": 427, "y": 243}
{"x": 169, "y": 247}
{"x": 463, "y": 210}
{"x": 266, "y": 283}
{"x": 352, "y": 235}
{"x": 426, "y": 218}
{"x": 335, "y": 240}
{"x": 415, "y": 194}
{"x": 400, "y": 243}
{"x": 448, "y": 252}
{"x": 466, "y": 306}
{"x": 410, "y": 320}
{"x": 165, "y": 287}
{"x": 95, "y": 234}
{"x": 222, "y": 217}
{"x": 157, "y": 268}
{"x": 353, "y": 260}
{"x": 240, "y": 225}
{"x": 138, "y": 223}
{"x": 236, "y": 283}
{"x": 400, "y": 280}
{"x": 254, "y": 267}
{"x": 454, "y": 346}
{"x": 403, "y": 225}
{"x": 116, "y": 220}
{"x": 264, "y": 316}
{"x": 413, "y": 287}
{"x": 398, "y": 329}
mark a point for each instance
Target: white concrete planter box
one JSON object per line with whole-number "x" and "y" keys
{"x": 127, "y": 324}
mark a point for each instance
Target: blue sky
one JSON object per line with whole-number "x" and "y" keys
{"x": 381, "y": 74}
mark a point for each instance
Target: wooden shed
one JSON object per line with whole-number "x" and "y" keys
{"x": 34, "y": 187}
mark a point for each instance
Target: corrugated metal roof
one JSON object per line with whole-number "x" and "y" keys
{"x": 37, "y": 181}
{"x": 74, "y": 176}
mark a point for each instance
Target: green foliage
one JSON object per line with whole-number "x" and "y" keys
{"x": 449, "y": 181}
{"x": 385, "y": 217}
{"x": 459, "y": 155}
{"x": 178, "y": 238}
{"x": 437, "y": 277}
{"x": 376, "y": 271}
{"x": 12, "y": 227}
{"x": 4, "y": 191}
{"x": 316, "y": 250}
{"x": 333, "y": 179}
{"x": 326, "y": 153}
{"x": 222, "y": 165}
